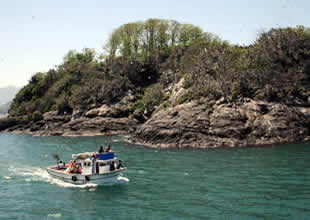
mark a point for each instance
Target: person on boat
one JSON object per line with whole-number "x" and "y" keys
{"x": 112, "y": 166}
{"x": 100, "y": 151}
{"x": 76, "y": 168}
{"x": 69, "y": 167}
{"x": 94, "y": 156}
{"x": 59, "y": 164}
{"x": 108, "y": 149}
{"x": 119, "y": 165}
{"x": 68, "y": 170}
{"x": 62, "y": 165}
{"x": 72, "y": 166}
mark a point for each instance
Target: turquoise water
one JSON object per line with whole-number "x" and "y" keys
{"x": 248, "y": 183}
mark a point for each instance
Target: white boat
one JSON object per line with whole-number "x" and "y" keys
{"x": 97, "y": 168}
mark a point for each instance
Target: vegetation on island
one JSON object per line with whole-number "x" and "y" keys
{"x": 144, "y": 58}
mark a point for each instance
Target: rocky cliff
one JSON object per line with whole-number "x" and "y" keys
{"x": 244, "y": 123}
{"x": 105, "y": 120}
{"x": 195, "y": 124}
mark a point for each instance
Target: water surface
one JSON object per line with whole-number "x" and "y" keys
{"x": 243, "y": 183}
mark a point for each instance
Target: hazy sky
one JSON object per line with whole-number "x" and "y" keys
{"x": 36, "y": 34}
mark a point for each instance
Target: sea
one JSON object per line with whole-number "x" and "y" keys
{"x": 271, "y": 182}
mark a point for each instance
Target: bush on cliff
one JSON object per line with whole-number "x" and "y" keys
{"x": 153, "y": 96}
{"x": 37, "y": 116}
{"x": 274, "y": 68}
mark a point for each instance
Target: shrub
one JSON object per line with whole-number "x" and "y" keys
{"x": 152, "y": 96}
{"x": 187, "y": 97}
{"x": 137, "y": 106}
{"x": 37, "y": 116}
{"x": 165, "y": 104}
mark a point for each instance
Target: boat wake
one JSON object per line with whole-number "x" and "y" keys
{"x": 33, "y": 174}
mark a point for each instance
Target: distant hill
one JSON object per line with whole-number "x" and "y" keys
{"x": 8, "y": 93}
{"x": 4, "y": 108}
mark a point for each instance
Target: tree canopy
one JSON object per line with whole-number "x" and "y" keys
{"x": 152, "y": 37}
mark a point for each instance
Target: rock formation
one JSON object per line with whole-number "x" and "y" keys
{"x": 247, "y": 123}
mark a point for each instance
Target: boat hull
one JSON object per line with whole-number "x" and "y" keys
{"x": 80, "y": 179}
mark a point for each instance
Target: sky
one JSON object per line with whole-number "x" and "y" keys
{"x": 36, "y": 34}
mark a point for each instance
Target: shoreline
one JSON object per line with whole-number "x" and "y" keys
{"x": 190, "y": 125}
{"x": 127, "y": 138}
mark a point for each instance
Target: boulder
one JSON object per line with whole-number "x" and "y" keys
{"x": 116, "y": 111}
{"x": 92, "y": 113}
{"x": 176, "y": 92}
{"x": 77, "y": 113}
{"x": 54, "y": 117}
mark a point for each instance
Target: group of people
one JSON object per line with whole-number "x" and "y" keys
{"x": 74, "y": 167}
{"x": 112, "y": 165}
{"x": 61, "y": 165}
{"x": 119, "y": 165}
{"x": 107, "y": 149}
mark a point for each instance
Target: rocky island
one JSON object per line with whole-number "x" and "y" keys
{"x": 168, "y": 84}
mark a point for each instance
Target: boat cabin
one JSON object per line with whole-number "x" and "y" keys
{"x": 99, "y": 164}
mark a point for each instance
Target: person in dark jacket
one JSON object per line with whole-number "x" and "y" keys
{"x": 112, "y": 166}
{"x": 119, "y": 165}
{"x": 100, "y": 150}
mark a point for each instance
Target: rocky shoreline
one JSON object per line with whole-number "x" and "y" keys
{"x": 252, "y": 123}
{"x": 190, "y": 125}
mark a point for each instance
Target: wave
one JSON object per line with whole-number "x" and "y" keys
{"x": 34, "y": 174}
{"x": 57, "y": 215}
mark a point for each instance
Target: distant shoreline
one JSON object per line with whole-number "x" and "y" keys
{"x": 3, "y": 115}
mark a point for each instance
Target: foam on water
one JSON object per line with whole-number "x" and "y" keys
{"x": 141, "y": 171}
{"x": 119, "y": 180}
{"x": 56, "y": 215}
